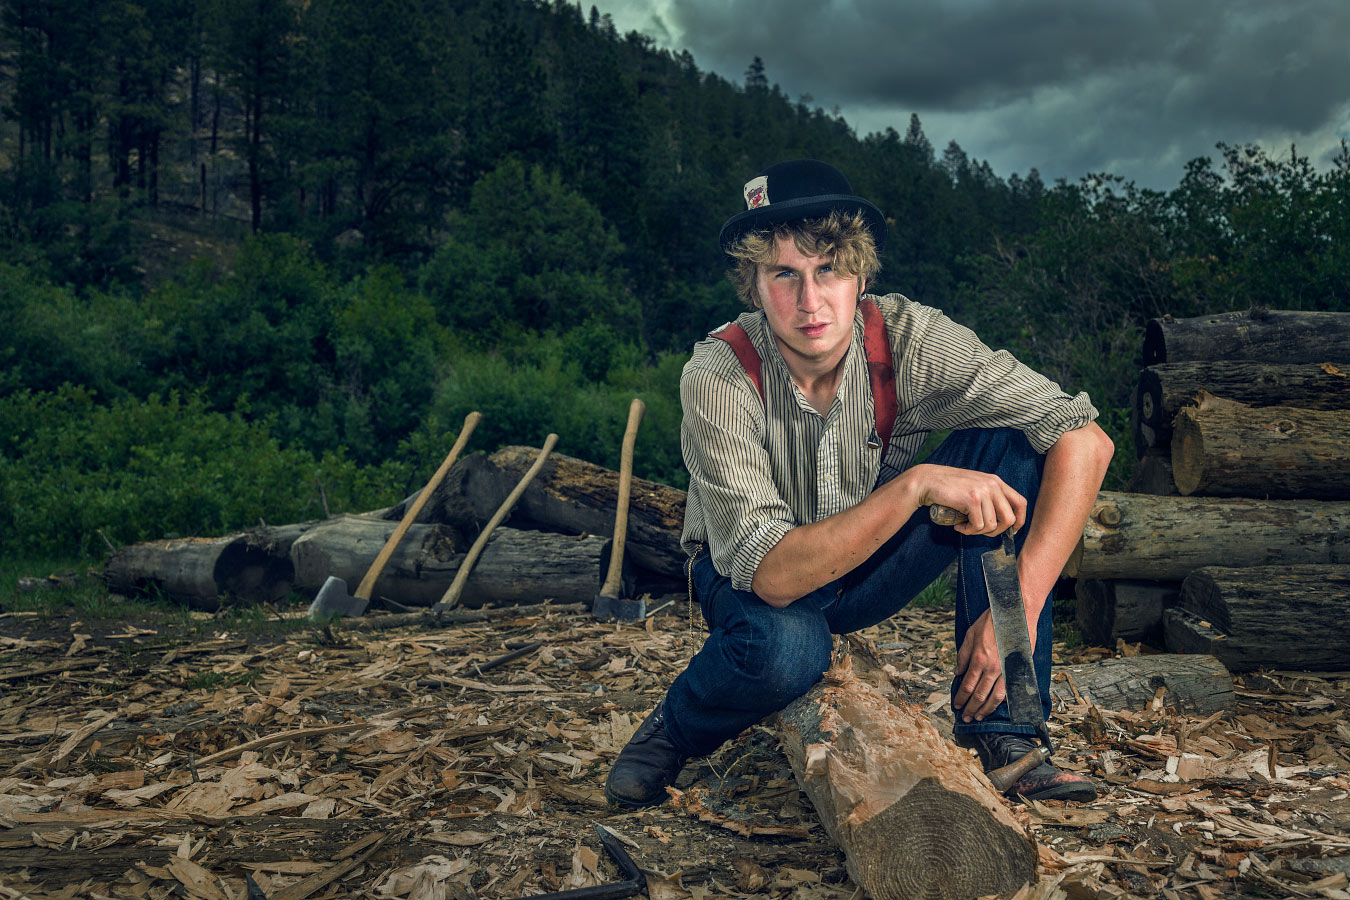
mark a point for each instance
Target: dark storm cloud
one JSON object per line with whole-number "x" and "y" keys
{"x": 1080, "y": 82}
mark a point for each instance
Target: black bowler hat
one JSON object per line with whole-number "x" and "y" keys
{"x": 801, "y": 189}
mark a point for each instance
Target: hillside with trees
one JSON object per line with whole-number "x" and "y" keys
{"x": 258, "y": 259}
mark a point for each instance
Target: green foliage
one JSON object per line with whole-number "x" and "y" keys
{"x": 529, "y": 388}
{"x": 72, "y": 470}
{"x": 532, "y": 253}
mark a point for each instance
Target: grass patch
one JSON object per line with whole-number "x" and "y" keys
{"x": 88, "y": 599}
{"x": 206, "y": 681}
{"x": 941, "y": 594}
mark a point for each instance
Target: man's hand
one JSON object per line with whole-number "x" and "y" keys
{"x": 982, "y": 689}
{"x": 989, "y": 505}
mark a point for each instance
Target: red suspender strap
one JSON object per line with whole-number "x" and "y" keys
{"x": 880, "y": 368}
{"x": 745, "y": 351}
{"x": 880, "y": 371}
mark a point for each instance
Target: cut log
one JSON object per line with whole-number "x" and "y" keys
{"x": 1123, "y": 610}
{"x": 251, "y": 567}
{"x": 1164, "y": 390}
{"x": 1254, "y": 335}
{"x": 1279, "y": 451}
{"x": 1153, "y": 474}
{"x": 914, "y": 815}
{"x": 1285, "y": 617}
{"x": 572, "y": 496}
{"x": 516, "y": 566}
{"x": 1197, "y": 685}
{"x": 1150, "y": 538}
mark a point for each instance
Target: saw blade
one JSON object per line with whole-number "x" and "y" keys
{"x": 1010, "y": 628}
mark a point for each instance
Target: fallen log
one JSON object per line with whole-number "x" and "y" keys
{"x": 1153, "y": 474}
{"x": 1254, "y": 335}
{"x": 1111, "y": 610}
{"x": 913, "y": 814}
{"x": 515, "y": 567}
{"x": 1151, "y": 538}
{"x": 1165, "y": 390}
{"x": 1194, "y": 684}
{"x": 1284, "y": 617}
{"x": 1279, "y": 451}
{"x": 572, "y": 496}
{"x": 251, "y": 567}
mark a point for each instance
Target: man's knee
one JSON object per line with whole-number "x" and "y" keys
{"x": 785, "y": 657}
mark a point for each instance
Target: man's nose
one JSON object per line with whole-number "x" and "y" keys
{"x": 809, "y": 298}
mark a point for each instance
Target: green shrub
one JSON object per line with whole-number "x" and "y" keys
{"x": 162, "y": 467}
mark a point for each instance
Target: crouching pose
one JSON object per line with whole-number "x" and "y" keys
{"x": 801, "y": 422}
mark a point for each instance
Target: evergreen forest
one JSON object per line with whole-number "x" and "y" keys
{"x": 258, "y": 258}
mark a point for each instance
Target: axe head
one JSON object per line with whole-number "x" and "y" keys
{"x": 604, "y": 607}
{"x": 334, "y": 599}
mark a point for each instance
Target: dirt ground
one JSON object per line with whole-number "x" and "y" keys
{"x": 397, "y": 763}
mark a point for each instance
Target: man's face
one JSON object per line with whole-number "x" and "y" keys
{"x": 809, "y": 308}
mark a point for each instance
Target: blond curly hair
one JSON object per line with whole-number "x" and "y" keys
{"x": 843, "y": 237}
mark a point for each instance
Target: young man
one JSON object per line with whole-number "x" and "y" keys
{"x": 801, "y": 519}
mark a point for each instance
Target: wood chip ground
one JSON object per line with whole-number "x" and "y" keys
{"x": 393, "y": 764}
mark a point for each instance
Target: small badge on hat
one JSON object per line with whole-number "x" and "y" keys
{"x": 757, "y": 192}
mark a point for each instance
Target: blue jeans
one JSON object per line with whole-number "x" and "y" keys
{"x": 758, "y": 659}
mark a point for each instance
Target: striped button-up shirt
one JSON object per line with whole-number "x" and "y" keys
{"x": 758, "y": 469}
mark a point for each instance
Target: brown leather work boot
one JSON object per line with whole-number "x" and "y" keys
{"x": 1045, "y": 782}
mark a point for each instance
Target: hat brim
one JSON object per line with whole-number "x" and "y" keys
{"x": 766, "y": 217}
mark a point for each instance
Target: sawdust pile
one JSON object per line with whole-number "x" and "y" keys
{"x": 414, "y": 763}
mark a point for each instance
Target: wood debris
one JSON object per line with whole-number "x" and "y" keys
{"x": 394, "y": 763}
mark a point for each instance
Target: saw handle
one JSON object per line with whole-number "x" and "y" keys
{"x": 945, "y": 515}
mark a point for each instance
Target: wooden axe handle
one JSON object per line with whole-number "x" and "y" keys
{"x": 367, "y": 586}
{"x": 611, "y": 586}
{"x": 457, "y": 586}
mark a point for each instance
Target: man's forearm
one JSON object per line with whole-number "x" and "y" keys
{"x": 1074, "y": 469}
{"x": 810, "y": 556}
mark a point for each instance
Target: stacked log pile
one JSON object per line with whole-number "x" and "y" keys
{"x": 555, "y": 544}
{"x": 1234, "y": 536}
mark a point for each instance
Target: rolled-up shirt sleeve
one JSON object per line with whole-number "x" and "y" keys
{"x": 721, "y": 436}
{"x": 949, "y": 379}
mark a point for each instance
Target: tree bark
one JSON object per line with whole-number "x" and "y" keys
{"x": 1275, "y": 452}
{"x": 1164, "y": 390}
{"x": 515, "y": 567}
{"x": 250, "y": 567}
{"x": 1123, "y": 610}
{"x": 1289, "y": 617}
{"x": 569, "y": 495}
{"x": 1254, "y": 335}
{"x": 1194, "y": 684}
{"x": 914, "y": 815}
{"x": 1149, "y": 538}
{"x": 1153, "y": 474}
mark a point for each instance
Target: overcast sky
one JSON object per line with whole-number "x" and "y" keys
{"x": 1132, "y": 87}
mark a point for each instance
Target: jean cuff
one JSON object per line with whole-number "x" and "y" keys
{"x": 992, "y": 727}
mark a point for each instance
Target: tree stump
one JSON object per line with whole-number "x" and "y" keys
{"x": 1123, "y": 610}
{"x": 1278, "y": 451}
{"x": 1254, "y": 335}
{"x": 1164, "y": 390}
{"x": 1289, "y": 617}
{"x": 914, "y": 815}
{"x": 1150, "y": 538}
{"x": 1194, "y": 684}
